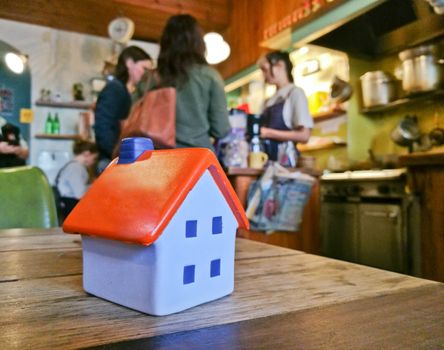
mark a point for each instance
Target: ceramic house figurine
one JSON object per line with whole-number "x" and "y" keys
{"x": 158, "y": 229}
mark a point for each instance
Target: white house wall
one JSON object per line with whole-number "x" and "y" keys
{"x": 175, "y": 250}
{"x": 120, "y": 272}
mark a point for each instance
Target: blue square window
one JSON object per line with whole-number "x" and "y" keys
{"x": 215, "y": 268}
{"x": 188, "y": 274}
{"x": 217, "y": 225}
{"x": 191, "y": 228}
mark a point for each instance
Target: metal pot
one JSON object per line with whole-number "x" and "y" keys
{"x": 378, "y": 88}
{"x": 406, "y": 132}
{"x": 420, "y": 69}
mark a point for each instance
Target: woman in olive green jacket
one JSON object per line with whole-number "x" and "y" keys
{"x": 201, "y": 111}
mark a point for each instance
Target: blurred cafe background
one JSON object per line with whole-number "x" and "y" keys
{"x": 369, "y": 179}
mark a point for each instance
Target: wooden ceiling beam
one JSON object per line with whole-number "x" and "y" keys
{"x": 93, "y": 16}
{"x": 215, "y": 11}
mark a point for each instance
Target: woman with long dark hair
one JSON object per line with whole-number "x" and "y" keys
{"x": 114, "y": 101}
{"x": 286, "y": 119}
{"x": 201, "y": 110}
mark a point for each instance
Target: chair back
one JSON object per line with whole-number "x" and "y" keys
{"x": 26, "y": 199}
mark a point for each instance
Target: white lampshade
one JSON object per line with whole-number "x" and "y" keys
{"x": 218, "y": 49}
{"x": 15, "y": 62}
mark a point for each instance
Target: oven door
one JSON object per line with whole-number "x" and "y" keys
{"x": 339, "y": 230}
{"x": 382, "y": 242}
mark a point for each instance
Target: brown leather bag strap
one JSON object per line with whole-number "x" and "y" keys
{"x": 152, "y": 80}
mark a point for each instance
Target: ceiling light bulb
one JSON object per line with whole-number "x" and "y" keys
{"x": 213, "y": 37}
{"x": 217, "y": 50}
{"x": 15, "y": 63}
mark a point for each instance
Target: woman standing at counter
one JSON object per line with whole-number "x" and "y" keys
{"x": 201, "y": 110}
{"x": 286, "y": 119}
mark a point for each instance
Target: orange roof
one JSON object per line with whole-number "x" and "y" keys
{"x": 135, "y": 202}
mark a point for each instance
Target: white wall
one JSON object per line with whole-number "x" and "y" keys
{"x": 58, "y": 59}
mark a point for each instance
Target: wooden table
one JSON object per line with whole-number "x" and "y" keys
{"x": 283, "y": 299}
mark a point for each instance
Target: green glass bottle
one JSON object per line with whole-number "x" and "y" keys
{"x": 49, "y": 124}
{"x": 56, "y": 125}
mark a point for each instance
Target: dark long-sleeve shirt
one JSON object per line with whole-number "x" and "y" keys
{"x": 113, "y": 105}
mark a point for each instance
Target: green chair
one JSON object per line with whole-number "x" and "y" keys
{"x": 26, "y": 199}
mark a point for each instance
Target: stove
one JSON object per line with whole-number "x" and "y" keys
{"x": 371, "y": 218}
{"x": 387, "y": 183}
{"x": 366, "y": 174}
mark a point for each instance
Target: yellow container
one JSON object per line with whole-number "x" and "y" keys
{"x": 316, "y": 101}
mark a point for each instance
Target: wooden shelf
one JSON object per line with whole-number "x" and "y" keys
{"x": 57, "y": 137}
{"x": 71, "y": 104}
{"x": 319, "y": 117}
{"x": 411, "y": 99}
{"x": 305, "y": 148}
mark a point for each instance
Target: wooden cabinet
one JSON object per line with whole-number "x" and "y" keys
{"x": 306, "y": 239}
{"x": 427, "y": 180}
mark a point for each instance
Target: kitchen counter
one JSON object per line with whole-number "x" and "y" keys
{"x": 283, "y": 299}
{"x": 426, "y": 174}
{"x": 422, "y": 159}
{"x": 256, "y": 172}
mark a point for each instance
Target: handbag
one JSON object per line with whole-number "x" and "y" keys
{"x": 152, "y": 116}
{"x": 276, "y": 201}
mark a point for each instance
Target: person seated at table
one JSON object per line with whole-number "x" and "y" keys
{"x": 13, "y": 148}
{"x": 72, "y": 180}
{"x": 286, "y": 119}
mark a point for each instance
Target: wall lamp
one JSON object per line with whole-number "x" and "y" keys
{"x": 15, "y": 62}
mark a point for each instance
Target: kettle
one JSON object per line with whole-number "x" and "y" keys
{"x": 406, "y": 132}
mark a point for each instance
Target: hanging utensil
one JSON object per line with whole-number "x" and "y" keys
{"x": 340, "y": 90}
{"x": 406, "y": 132}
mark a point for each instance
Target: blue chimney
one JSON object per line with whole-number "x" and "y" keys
{"x": 132, "y": 147}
